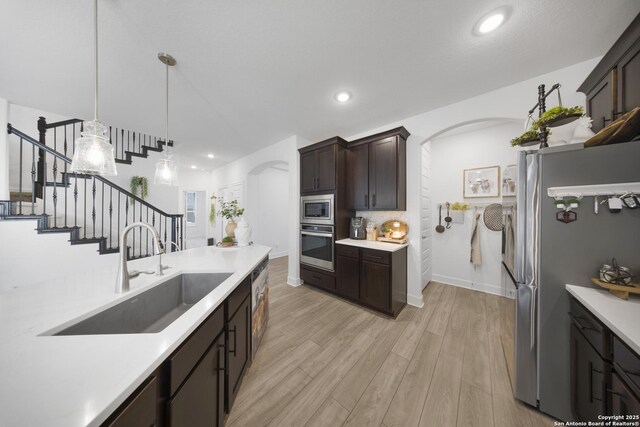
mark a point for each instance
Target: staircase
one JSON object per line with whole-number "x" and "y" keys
{"x": 91, "y": 209}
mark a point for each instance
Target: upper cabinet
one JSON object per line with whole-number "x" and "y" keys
{"x": 613, "y": 87}
{"x": 376, "y": 172}
{"x": 318, "y": 166}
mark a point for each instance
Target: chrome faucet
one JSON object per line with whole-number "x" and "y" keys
{"x": 122, "y": 280}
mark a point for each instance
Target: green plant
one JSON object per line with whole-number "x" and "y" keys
{"x": 212, "y": 210}
{"x": 556, "y": 113}
{"x": 386, "y": 229}
{"x": 139, "y": 183}
{"x": 528, "y": 136}
{"x": 457, "y": 206}
{"x": 227, "y": 239}
{"x": 230, "y": 210}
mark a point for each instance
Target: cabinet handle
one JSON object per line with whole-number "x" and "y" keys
{"x": 620, "y": 395}
{"x": 604, "y": 121}
{"x": 218, "y": 368}
{"x": 578, "y": 324}
{"x": 616, "y": 113}
{"x": 234, "y": 341}
{"x": 366, "y": 200}
{"x": 634, "y": 373}
{"x": 316, "y": 277}
{"x": 316, "y": 183}
{"x": 374, "y": 200}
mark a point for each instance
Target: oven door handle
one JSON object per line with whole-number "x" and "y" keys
{"x": 313, "y": 233}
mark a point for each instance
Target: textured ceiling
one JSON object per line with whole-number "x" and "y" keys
{"x": 251, "y": 73}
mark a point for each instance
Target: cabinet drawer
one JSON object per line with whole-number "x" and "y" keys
{"x": 182, "y": 362}
{"x": 627, "y": 363}
{"x": 623, "y": 400}
{"x": 320, "y": 280}
{"x": 349, "y": 251}
{"x": 238, "y": 295}
{"x": 594, "y": 331}
{"x": 140, "y": 410}
{"x": 381, "y": 257}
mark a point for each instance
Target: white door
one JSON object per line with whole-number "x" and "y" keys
{"x": 425, "y": 214}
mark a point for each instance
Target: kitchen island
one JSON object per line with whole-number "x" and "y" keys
{"x": 82, "y": 380}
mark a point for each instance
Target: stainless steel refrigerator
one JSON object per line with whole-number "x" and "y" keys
{"x": 550, "y": 254}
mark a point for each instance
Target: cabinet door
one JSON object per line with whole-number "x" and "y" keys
{"x": 200, "y": 400}
{"x": 383, "y": 174}
{"x": 375, "y": 285}
{"x": 141, "y": 408}
{"x": 358, "y": 177}
{"x": 601, "y": 102}
{"x": 629, "y": 81}
{"x": 623, "y": 400}
{"x": 308, "y": 172}
{"x": 587, "y": 378}
{"x": 348, "y": 276}
{"x": 326, "y": 168}
{"x": 238, "y": 349}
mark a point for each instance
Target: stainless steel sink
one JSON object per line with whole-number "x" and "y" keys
{"x": 152, "y": 310}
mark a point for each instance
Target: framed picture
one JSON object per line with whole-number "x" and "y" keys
{"x": 481, "y": 182}
{"x": 509, "y": 183}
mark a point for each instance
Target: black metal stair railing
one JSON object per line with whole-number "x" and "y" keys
{"x": 91, "y": 208}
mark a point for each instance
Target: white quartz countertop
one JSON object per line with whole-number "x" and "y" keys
{"x": 621, "y": 316}
{"x": 372, "y": 244}
{"x": 80, "y": 380}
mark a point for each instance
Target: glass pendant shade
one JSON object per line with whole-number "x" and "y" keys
{"x": 166, "y": 172}
{"x": 93, "y": 154}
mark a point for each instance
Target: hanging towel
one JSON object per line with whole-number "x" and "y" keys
{"x": 476, "y": 257}
{"x": 510, "y": 241}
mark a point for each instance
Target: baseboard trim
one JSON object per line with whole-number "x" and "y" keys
{"x": 415, "y": 300}
{"x": 294, "y": 281}
{"x": 467, "y": 284}
{"x": 274, "y": 255}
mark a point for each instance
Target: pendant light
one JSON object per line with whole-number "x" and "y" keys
{"x": 93, "y": 153}
{"x": 166, "y": 168}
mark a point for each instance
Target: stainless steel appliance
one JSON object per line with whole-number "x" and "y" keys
{"x": 316, "y": 245}
{"x": 317, "y": 209}
{"x": 550, "y": 254}
{"x": 358, "y": 229}
{"x": 259, "y": 303}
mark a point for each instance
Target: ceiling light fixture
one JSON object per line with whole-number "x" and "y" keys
{"x": 210, "y": 155}
{"x": 492, "y": 21}
{"x": 194, "y": 167}
{"x": 166, "y": 168}
{"x": 343, "y": 96}
{"x": 93, "y": 152}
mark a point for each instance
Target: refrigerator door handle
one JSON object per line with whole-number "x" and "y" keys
{"x": 533, "y": 316}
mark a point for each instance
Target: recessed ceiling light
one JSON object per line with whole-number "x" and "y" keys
{"x": 342, "y": 96}
{"x": 210, "y": 155}
{"x": 194, "y": 167}
{"x": 491, "y": 21}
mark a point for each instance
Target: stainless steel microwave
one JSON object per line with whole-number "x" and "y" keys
{"x": 317, "y": 209}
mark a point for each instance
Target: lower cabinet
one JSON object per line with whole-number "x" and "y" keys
{"x": 623, "y": 400}
{"x": 375, "y": 287}
{"x": 200, "y": 399}
{"x": 238, "y": 349}
{"x": 348, "y": 277}
{"x": 587, "y": 378}
{"x": 197, "y": 384}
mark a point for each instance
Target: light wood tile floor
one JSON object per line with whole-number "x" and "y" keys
{"x": 326, "y": 362}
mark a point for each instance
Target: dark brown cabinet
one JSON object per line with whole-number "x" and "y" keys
{"x": 376, "y": 279}
{"x": 613, "y": 87}
{"x": 318, "y": 166}
{"x": 623, "y": 400}
{"x": 139, "y": 409}
{"x": 200, "y": 400}
{"x": 238, "y": 349}
{"x": 376, "y": 172}
{"x": 587, "y": 378}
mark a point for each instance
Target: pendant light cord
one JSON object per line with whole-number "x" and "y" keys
{"x": 167, "y": 108}
{"x": 95, "y": 39}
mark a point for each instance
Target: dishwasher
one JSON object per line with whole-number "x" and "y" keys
{"x": 259, "y": 303}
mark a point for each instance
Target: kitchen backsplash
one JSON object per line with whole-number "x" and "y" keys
{"x": 381, "y": 216}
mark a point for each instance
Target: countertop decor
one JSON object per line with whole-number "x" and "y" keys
{"x": 369, "y": 244}
{"x": 621, "y": 316}
{"x": 80, "y": 380}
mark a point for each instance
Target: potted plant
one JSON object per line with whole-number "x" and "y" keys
{"x": 457, "y": 212}
{"x": 530, "y": 137}
{"x": 139, "y": 183}
{"x": 558, "y": 116}
{"x": 227, "y": 241}
{"x": 387, "y": 232}
{"x": 230, "y": 211}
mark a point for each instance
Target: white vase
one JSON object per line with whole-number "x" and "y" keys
{"x": 243, "y": 232}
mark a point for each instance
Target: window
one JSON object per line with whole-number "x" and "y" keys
{"x": 190, "y": 207}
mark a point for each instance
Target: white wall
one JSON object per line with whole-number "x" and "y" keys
{"x": 508, "y": 102}
{"x": 451, "y": 154}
